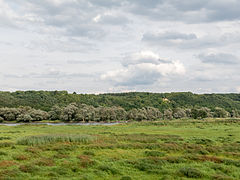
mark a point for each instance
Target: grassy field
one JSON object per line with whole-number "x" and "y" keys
{"x": 185, "y": 149}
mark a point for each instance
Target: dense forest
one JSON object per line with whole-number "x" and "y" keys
{"x": 45, "y": 100}
{"x": 27, "y": 106}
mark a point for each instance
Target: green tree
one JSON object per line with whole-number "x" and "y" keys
{"x": 168, "y": 114}
{"x": 55, "y": 113}
{"x": 220, "y": 113}
{"x": 179, "y": 113}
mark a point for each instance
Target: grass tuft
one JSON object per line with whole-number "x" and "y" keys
{"x": 47, "y": 139}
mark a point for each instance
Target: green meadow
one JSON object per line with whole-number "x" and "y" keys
{"x": 177, "y": 149}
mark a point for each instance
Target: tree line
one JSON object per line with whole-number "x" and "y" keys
{"x": 85, "y": 113}
{"x": 45, "y": 100}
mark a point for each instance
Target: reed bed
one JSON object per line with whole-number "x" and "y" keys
{"x": 47, "y": 139}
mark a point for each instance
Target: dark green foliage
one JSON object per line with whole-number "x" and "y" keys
{"x": 90, "y": 153}
{"x": 45, "y": 100}
{"x": 232, "y": 162}
{"x": 5, "y": 138}
{"x": 191, "y": 172}
{"x": 149, "y": 165}
{"x": 27, "y": 106}
{"x": 126, "y": 178}
{"x": 154, "y": 153}
{"x": 6, "y": 144}
{"x": 109, "y": 169}
{"x": 1, "y": 119}
{"x": 3, "y": 153}
{"x": 220, "y": 112}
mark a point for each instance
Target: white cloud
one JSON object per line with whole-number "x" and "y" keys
{"x": 143, "y": 68}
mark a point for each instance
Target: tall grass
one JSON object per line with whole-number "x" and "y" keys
{"x": 47, "y": 139}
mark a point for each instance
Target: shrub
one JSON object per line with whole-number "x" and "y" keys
{"x": 33, "y": 150}
{"x": 45, "y": 162}
{"x": 109, "y": 169}
{"x": 85, "y": 161}
{"x": 220, "y": 112}
{"x": 2, "y": 153}
{"x": 126, "y": 178}
{"x": 6, "y": 144}
{"x": 154, "y": 153}
{"x": 5, "y": 138}
{"x": 221, "y": 177}
{"x": 61, "y": 156}
{"x": 28, "y": 168}
{"x": 191, "y": 172}
{"x": 221, "y": 168}
{"x": 6, "y": 163}
{"x": 232, "y": 162}
{"x": 20, "y": 157}
{"x": 9, "y": 114}
{"x": 179, "y": 113}
{"x": 168, "y": 114}
{"x": 90, "y": 153}
{"x": 38, "y": 115}
{"x": 24, "y": 118}
{"x": 149, "y": 165}
{"x": 175, "y": 159}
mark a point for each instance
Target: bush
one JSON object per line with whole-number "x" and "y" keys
{"x": 85, "y": 161}
{"x": 6, "y": 144}
{"x": 126, "y": 178}
{"x": 24, "y": 118}
{"x": 90, "y": 153}
{"x": 108, "y": 169}
{"x": 154, "y": 153}
{"x": 9, "y": 114}
{"x": 179, "y": 113}
{"x": 28, "y": 168}
{"x": 149, "y": 165}
{"x": 20, "y": 157}
{"x": 168, "y": 114}
{"x": 220, "y": 113}
{"x": 38, "y": 115}
{"x": 232, "y": 162}
{"x": 191, "y": 172}
{"x": 2, "y": 153}
{"x": 45, "y": 162}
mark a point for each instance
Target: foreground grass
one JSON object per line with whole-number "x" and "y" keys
{"x": 185, "y": 149}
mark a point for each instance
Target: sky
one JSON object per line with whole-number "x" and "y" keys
{"x": 108, "y": 46}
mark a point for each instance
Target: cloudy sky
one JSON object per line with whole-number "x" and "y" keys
{"x": 96, "y": 46}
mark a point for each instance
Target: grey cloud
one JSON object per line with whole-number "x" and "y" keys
{"x": 50, "y": 75}
{"x": 106, "y": 3}
{"x": 220, "y": 58}
{"x": 83, "y": 61}
{"x": 90, "y": 31}
{"x": 63, "y": 45}
{"x": 168, "y": 36}
{"x": 187, "y": 10}
{"x": 190, "y": 41}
